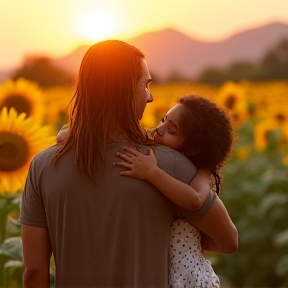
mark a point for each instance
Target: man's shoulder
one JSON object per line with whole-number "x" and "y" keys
{"x": 42, "y": 160}
{"x": 163, "y": 153}
{"x": 173, "y": 162}
{"x": 46, "y": 155}
{"x": 168, "y": 153}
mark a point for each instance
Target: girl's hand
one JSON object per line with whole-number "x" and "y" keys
{"x": 62, "y": 134}
{"x": 138, "y": 165}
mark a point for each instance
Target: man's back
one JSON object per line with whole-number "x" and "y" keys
{"x": 116, "y": 233}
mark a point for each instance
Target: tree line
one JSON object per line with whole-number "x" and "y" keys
{"x": 272, "y": 66}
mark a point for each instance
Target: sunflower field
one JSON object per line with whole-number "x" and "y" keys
{"x": 255, "y": 178}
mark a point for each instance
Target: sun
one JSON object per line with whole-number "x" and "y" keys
{"x": 97, "y": 25}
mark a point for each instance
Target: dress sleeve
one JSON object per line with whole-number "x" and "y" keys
{"x": 32, "y": 211}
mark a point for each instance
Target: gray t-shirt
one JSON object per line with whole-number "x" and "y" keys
{"x": 114, "y": 234}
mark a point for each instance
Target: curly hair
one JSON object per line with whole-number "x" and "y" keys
{"x": 208, "y": 134}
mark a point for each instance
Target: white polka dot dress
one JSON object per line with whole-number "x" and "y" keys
{"x": 188, "y": 266}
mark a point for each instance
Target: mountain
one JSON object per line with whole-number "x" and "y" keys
{"x": 172, "y": 52}
{"x": 5, "y": 74}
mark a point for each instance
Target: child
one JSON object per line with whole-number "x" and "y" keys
{"x": 203, "y": 132}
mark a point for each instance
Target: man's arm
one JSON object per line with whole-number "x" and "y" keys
{"x": 36, "y": 254}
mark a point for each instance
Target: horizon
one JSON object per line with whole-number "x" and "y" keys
{"x": 138, "y": 36}
{"x": 181, "y": 32}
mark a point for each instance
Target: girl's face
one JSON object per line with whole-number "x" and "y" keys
{"x": 167, "y": 132}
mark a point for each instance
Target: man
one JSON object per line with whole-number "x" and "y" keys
{"x": 104, "y": 230}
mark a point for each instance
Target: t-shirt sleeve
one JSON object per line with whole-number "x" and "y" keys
{"x": 32, "y": 210}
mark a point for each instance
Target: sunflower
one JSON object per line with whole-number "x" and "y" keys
{"x": 243, "y": 153}
{"x": 279, "y": 113}
{"x": 20, "y": 139}
{"x": 57, "y": 104}
{"x": 232, "y": 97}
{"x": 284, "y": 135}
{"x": 24, "y": 96}
{"x": 285, "y": 160}
{"x": 263, "y": 132}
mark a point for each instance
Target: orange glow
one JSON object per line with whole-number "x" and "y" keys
{"x": 96, "y": 26}
{"x": 56, "y": 27}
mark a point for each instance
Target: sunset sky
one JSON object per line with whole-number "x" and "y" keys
{"x": 56, "y": 27}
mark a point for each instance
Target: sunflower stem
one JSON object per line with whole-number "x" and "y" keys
{"x": 3, "y": 218}
{"x": 3, "y": 225}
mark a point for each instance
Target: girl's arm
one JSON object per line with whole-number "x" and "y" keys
{"x": 219, "y": 233}
{"x": 140, "y": 166}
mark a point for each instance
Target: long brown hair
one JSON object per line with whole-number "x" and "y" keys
{"x": 104, "y": 104}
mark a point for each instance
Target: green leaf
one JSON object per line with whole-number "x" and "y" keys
{"x": 281, "y": 239}
{"x": 270, "y": 202}
{"x": 282, "y": 266}
{"x": 12, "y": 248}
{"x": 13, "y": 264}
